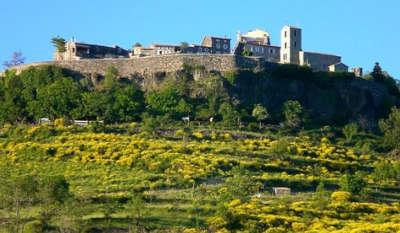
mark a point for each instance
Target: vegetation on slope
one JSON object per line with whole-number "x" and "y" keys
{"x": 72, "y": 179}
{"x": 146, "y": 170}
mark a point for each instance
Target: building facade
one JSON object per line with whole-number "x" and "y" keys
{"x": 218, "y": 45}
{"x": 257, "y": 43}
{"x": 78, "y": 51}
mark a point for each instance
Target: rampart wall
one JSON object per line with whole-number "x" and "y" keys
{"x": 145, "y": 66}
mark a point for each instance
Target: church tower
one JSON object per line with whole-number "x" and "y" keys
{"x": 290, "y": 45}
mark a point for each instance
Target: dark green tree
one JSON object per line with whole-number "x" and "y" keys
{"x": 60, "y": 98}
{"x": 128, "y": 104}
{"x": 59, "y": 43}
{"x": 377, "y": 73}
{"x": 293, "y": 111}
{"x": 168, "y": 101}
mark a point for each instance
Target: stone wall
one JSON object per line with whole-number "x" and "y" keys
{"x": 148, "y": 66}
{"x": 318, "y": 61}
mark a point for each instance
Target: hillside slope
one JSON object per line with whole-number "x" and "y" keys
{"x": 212, "y": 179}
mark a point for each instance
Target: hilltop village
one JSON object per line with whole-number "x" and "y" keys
{"x": 255, "y": 43}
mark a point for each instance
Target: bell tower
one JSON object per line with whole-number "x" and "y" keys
{"x": 290, "y": 45}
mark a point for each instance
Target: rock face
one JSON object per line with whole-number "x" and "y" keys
{"x": 328, "y": 101}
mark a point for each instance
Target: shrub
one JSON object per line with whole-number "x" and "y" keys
{"x": 33, "y": 227}
{"x": 354, "y": 184}
{"x": 59, "y": 123}
{"x": 349, "y": 131}
{"x": 340, "y": 196}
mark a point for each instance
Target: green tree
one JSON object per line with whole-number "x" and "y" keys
{"x": 94, "y": 105}
{"x": 127, "y": 104}
{"x": 168, "y": 101}
{"x": 60, "y": 98}
{"x": 349, "y": 131}
{"x": 229, "y": 115}
{"x": 293, "y": 111}
{"x": 354, "y": 184}
{"x": 260, "y": 113}
{"x": 59, "y": 43}
{"x": 391, "y": 129}
{"x": 13, "y": 107}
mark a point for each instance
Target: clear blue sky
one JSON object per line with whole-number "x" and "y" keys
{"x": 361, "y": 31}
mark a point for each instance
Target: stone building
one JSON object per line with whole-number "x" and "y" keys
{"x": 164, "y": 49}
{"x": 290, "y": 45}
{"x": 139, "y": 51}
{"x": 358, "y": 71}
{"x": 78, "y": 51}
{"x": 218, "y": 45}
{"x": 257, "y": 43}
{"x": 317, "y": 61}
{"x": 338, "y": 67}
{"x": 210, "y": 45}
{"x": 256, "y": 36}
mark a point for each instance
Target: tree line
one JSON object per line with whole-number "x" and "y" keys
{"x": 48, "y": 92}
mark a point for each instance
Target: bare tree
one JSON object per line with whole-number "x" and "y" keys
{"x": 17, "y": 59}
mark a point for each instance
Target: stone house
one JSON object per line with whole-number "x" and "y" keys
{"x": 338, "y": 67}
{"x": 78, "y": 51}
{"x": 217, "y": 45}
{"x": 256, "y": 36}
{"x": 164, "y": 49}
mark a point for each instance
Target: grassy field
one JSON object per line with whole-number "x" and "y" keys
{"x": 124, "y": 180}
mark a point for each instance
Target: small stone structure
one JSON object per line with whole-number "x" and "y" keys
{"x": 281, "y": 191}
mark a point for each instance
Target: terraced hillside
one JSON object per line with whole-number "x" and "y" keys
{"x": 201, "y": 179}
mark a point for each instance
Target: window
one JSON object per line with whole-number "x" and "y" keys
{"x": 295, "y": 44}
{"x": 271, "y": 51}
{"x": 285, "y": 45}
{"x": 285, "y": 34}
{"x": 295, "y": 33}
{"x": 218, "y": 45}
{"x": 225, "y": 46}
